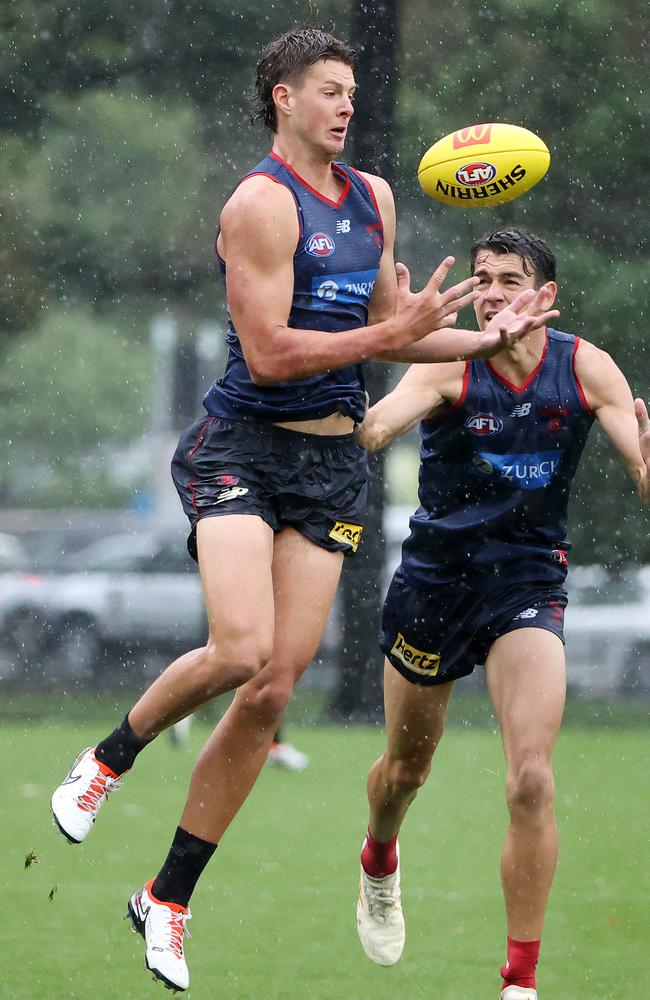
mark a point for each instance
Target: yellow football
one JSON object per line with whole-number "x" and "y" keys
{"x": 483, "y": 165}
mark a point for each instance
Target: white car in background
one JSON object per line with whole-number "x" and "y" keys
{"x": 607, "y": 631}
{"x": 110, "y": 602}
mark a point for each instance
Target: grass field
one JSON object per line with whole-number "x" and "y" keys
{"x": 274, "y": 913}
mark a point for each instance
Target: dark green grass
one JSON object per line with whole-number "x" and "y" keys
{"x": 274, "y": 913}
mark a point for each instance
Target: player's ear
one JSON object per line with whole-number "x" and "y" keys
{"x": 548, "y": 294}
{"x": 282, "y": 98}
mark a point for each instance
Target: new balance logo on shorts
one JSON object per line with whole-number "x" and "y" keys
{"x": 528, "y": 613}
{"x": 231, "y": 493}
{"x": 415, "y": 659}
{"x": 350, "y": 534}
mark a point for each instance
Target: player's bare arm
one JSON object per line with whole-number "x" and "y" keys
{"x": 525, "y": 314}
{"x": 259, "y": 235}
{"x": 624, "y": 419}
{"x": 422, "y": 391}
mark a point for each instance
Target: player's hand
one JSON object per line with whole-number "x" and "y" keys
{"x": 643, "y": 422}
{"x": 524, "y": 314}
{"x": 420, "y": 313}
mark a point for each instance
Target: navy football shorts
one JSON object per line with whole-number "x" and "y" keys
{"x": 436, "y": 634}
{"x": 316, "y": 484}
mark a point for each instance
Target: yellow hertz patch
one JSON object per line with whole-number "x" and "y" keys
{"x": 414, "y": 659}
{"x": 350, "y": 534}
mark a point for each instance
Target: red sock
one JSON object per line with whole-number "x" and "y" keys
{"x": 519, "y": 970}
{"x": 379, "y": 858}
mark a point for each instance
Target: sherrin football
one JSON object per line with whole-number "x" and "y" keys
{"x": 483, "y": 165}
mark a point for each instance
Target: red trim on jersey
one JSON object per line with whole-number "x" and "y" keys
{"x": 581, "y": 393}
{"x": 370, "y": 192}
{"x": 459, "y": 402}
{"x": 531, "y": 377}
{"x": 463, "y": 393}
{"x": 317, "y": 194}
{"x": 276, "y": 180}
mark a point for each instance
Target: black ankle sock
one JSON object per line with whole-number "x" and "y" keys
{"x": 182, "y": 869}
{"x": 119, "y": 750}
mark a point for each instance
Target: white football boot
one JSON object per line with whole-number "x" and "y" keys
{"x": 76, "y": 802}
{"x": 162, "y": 925}
{"x": 518, "y": 993}
{"x": 285, "y": 755}
{"x": 380, "y": 921}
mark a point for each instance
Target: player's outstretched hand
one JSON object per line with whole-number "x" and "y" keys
{"x": 643, "y": 421}
{"x": 514, "y": 321}
{"x": 420, "y": 313}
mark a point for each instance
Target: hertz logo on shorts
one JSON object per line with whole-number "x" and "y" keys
{"x": 349, "y": 534}
{"x": 414, "y": 659}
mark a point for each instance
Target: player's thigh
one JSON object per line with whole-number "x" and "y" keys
{"x": 526, "y": 678}
{"x": 305, "y": 578}
{"x": 415, "y": 715}
{"x": 235, "y": 559}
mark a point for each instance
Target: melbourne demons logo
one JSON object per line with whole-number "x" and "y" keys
{"x": 476, "y": 135}
{"x": 474, "y": 174}
{"x": 483, "y": 423}
{"x": 320, "y": 245}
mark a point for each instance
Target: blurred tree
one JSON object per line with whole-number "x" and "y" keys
{"x": 124, "y": 208}
{"x": 74, "y": 390}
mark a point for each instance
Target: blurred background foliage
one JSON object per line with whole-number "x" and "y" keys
{"x": 125, "y": 126}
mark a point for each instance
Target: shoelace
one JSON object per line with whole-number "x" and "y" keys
{"x": 98, "y": 789}
{"x": 381, "y": 900}
{"x": 169, "y": 930}
{"x": 178, "y": 930}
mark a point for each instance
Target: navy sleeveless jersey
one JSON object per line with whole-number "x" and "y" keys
{"x": 335, "y": 267}
{"x": 496, "y": 471}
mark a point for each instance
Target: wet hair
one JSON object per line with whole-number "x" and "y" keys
{"x": 537, "y": 257}
{"x": 286, "y": 59}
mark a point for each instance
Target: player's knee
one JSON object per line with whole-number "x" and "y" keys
{"x": 530, "y": 789}
{"x": 407, "y": 776}
{"x": 239, "y": 660}
{"x": 268, "y": 697}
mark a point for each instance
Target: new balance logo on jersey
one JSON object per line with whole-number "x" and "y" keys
{"x": 343, "y": 226}
{"x": 521, "y": 410}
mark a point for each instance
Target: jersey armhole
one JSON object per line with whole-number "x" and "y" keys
{"x": 276, "y": 180}
{"x": 452, "y": 407}
{"x": 580, "y": 390}
{"x": 371, "y": 192}
{"x": 465, "y": 389}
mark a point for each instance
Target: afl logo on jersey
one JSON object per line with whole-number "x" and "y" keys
{"x": 483, "y": 423}
{"x": 320, "y": 245}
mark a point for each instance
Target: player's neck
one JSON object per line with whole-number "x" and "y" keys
{"x": 312, "y": 165}
{"x": 519, "y": 360}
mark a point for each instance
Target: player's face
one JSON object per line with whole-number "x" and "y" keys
{"x": 501, "y": 278}
{"x": 321, "y": 106}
